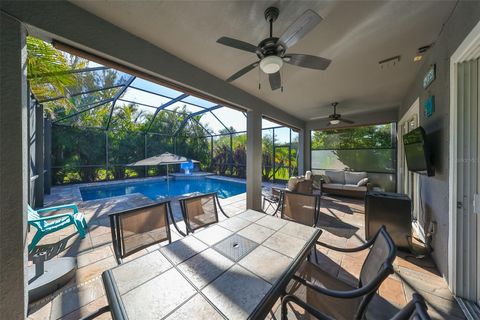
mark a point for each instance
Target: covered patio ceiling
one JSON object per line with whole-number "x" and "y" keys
{"x": 355, "y": 36}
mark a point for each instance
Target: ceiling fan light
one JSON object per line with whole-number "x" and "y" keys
{"x": 334, "y": 121}
{"x": 271, "y": 64}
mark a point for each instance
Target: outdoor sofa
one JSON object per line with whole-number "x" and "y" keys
{"x": 343, "y": 183}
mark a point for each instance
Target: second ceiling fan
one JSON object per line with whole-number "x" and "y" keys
{"x": 272, "y": 50}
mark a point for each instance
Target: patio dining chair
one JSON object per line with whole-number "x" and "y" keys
{"x": 327, "y": 297}
{"x": 301, "y": 208}
{"x": 138, "y": 228}
{"x": 200, "y": 211}
{"x": 272, "y": 200}
{"x": 49, "y": 224}
{"x": 416, "y": 309}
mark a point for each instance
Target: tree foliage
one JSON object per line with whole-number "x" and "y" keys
{"x": 83, "y": 150}
{"x": 366, "y": 148}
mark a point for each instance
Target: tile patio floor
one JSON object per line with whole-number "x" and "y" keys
{"x": 343, "y": 225}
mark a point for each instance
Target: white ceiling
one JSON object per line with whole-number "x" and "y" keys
{"x": 354, "y": 35}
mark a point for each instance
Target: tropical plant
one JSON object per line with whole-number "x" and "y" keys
{"x": 48, "y": 71}
{"x": 366, "y": 148}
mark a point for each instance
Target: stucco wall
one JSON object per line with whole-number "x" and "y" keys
{"x": 434, "y": 190}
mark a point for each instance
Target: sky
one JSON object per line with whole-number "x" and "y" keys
{"x": 229, "y": 117}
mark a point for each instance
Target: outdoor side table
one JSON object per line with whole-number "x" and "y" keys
{"x": 236, "y": 269}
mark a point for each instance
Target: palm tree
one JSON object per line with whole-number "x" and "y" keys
{"x": 48, "y": 71}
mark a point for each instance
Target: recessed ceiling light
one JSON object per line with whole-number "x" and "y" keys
{"x": 417, "y": 58}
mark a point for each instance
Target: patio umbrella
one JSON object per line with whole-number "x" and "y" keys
{"x": 166, "y": 158}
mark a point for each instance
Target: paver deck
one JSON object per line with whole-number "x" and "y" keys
{"x": 342, "y": 222}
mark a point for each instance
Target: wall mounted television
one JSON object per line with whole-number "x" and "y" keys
{"x": 417, "y": 152}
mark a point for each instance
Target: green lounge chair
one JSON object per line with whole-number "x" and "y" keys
{"x": 49, "y": 224}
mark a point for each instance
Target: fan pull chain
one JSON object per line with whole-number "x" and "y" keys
{"x": 259, "y": 80}
{"x": 283, "y": 80}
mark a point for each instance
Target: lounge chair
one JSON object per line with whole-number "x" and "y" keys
{"x": 49, "y": 224}
{"x": 327, "y": 297}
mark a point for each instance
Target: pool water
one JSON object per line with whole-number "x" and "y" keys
{"x": 161, "y": 189}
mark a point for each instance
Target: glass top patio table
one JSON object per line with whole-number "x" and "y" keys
{"x": 235, "y": 269}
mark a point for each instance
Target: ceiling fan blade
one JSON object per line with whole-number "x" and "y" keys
{"x": 243, "y": 71}
{"x": 237, "y": 44}
{"x": 299, "y": 28}
{"x": 346, "y": 121}
{"x": 307, "y": 61}
{"x": 275, "y": 80}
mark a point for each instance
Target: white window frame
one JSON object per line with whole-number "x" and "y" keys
{"x": 408, "y": 182}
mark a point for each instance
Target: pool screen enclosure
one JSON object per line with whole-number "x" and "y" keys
{"x": 99, "y": 120}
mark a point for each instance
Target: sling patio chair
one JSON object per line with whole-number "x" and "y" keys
{"x": 326, "y": 297}
{"x": 416, "y": 309}
{"x": 300, "y": 207}
{"x": 200, "y": 211}
{"x": 138, "y": 228}
{"x": 49, "y": 224}
{"x": 272, "y": 200}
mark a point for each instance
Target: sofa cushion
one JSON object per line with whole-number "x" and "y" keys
{"x": 353, "y": 187}
{"x": 354, "y": 177}
{"x": 336, "y": 186}
{"x": 336, "y": 176}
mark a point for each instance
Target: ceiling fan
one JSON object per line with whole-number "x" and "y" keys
{"x": 336, "y": 118}
{"x": 272, "y": 50}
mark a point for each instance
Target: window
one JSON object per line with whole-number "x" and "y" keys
{"x": 366, "y": 148}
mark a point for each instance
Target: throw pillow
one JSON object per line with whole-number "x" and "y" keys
{"x": 362, "y": 182}
{"x": 308, "y": 175}
{"x": 292, "y": 183}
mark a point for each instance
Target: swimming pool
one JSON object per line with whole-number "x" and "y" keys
{"x": 159, "y": 189}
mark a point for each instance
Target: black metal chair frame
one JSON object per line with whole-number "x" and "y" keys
{"x": 272, "y": 201}
{"x": 216, "y": 204}
{"x": 415, "y": 309}
{"x": 115, "y": 228}
{"x": 366, "y": 291}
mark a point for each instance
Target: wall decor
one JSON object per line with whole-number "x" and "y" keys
{"x": 429, "y": 106}
{"x": 429, "y": 76}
